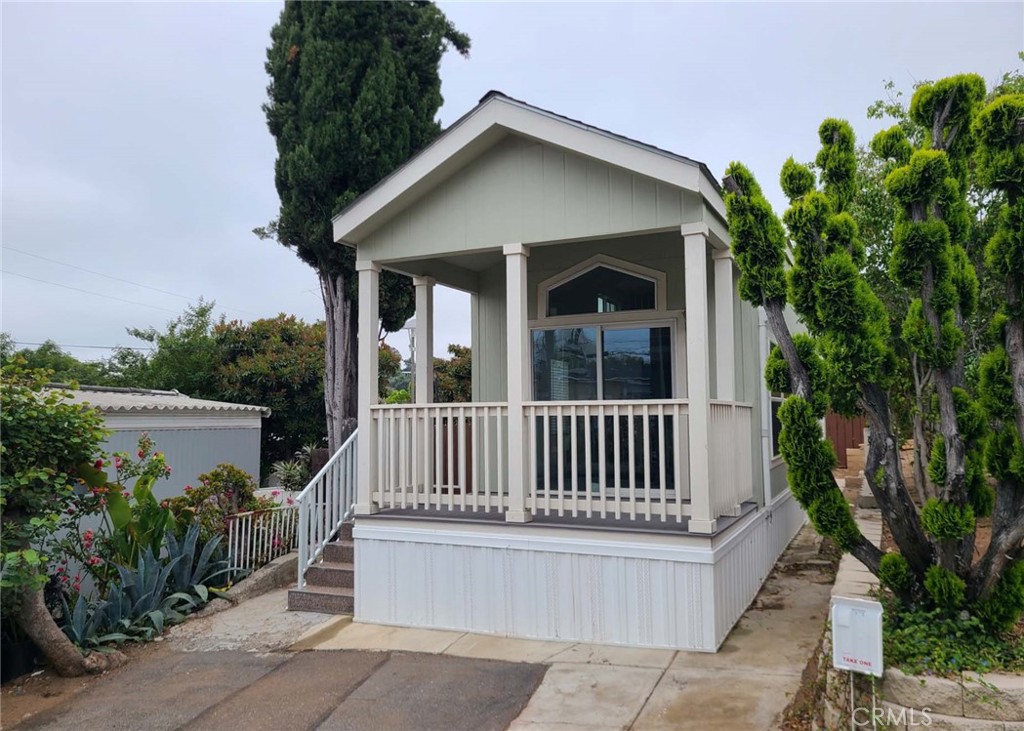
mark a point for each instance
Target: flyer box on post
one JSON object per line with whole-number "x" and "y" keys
{"x": 857, "y": 635}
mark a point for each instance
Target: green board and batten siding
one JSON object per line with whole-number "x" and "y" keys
{"x": 522, "y": 191}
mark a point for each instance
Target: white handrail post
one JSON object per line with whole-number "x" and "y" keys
{"x": 518, "y": 380}
{"x": 702, "y": 518}
{"x": 369, "y": 310}
{"x": 303, "y": 540}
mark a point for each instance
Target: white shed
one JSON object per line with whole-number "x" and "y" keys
{"x": 195, "y": 435}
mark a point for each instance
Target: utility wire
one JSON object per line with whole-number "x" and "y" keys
{"x": 97, "y": 347}
{"x": 116, "y": 279}
{"x": 85, "y": 291}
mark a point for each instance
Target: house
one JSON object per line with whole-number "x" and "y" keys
{"x": 195, "y": 435}
{"x": 616, "y": 478}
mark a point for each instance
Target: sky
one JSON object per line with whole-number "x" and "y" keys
{"x": 136, "y": 159}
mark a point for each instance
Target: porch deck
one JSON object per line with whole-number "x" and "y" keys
{"x": 581, "y": 522}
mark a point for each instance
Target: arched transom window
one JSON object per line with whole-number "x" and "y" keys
{"x": 602, "y": 289}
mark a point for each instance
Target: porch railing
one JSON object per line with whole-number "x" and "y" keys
{"x": 452, "y": 456}
{"x": 601, "y": 458}
{"x": 325, "y": 503}
{"x": 731, "y": 460}
{"x": 256, "y": 538}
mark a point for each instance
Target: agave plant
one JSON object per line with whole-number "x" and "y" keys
{"x": 84, "y": 624}
{"x": 192, "y": 574}
{"x": 144, "y": 587}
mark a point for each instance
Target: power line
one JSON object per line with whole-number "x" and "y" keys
{"x": 85, "y": 291}
{"x": 116, "y": 279}
{"x": 97, "y": 347}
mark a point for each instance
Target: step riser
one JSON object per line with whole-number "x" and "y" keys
{"x": 339, "y": 553}
{"x": 346, "y": 532}
{"x": 305, "y": 601}
{"x": 327, "y": 576}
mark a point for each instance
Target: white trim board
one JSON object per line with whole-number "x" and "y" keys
{"x": 152, "y": 422}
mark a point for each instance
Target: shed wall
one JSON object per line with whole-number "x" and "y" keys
{"x": 191, "y": 452}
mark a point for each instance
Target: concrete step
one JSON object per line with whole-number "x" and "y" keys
{"x": 328, "y": 573}
{"x": 323, "y": 599}
{"x": 866, "y": 499}
{"x": 346, "y": 532}
{"x": 340, "y": 552}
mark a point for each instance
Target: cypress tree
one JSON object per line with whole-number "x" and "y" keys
{"x": 354, "y": 92}
{"x": 846, "y": 361}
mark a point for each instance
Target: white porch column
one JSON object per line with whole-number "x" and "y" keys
{"x": 518, "y": 380}
{"x": 702, "y": 518}
{"x": 369, "y": 319}
{"x": 725, "y": 336}
{"x": 424, "y": 386}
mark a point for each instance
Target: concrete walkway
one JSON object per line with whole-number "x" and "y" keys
{"x": 744, "y": 687}
{"x": 242, "y": 668}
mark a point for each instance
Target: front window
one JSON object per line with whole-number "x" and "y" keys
{"x": 602, "y": 362}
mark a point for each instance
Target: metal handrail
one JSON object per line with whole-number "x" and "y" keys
{"x": 325, "y": 503}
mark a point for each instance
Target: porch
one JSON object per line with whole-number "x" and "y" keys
{"x": 618, "y": 462}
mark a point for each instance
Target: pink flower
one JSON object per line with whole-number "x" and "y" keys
{"x": 167, "y": 469}
{"x": 126, "y": 494}
{"x": 95, "y": 561}
{"x": 164, "y": 504}
{"x": 140, "y": 454}
{"x": 275, "y": 493}
{"x": 117, "y": 463}
{"x": 61, "y": 569}
{"x": 188, "y": 488}
{"x": 103, "y": 501}
{"x": 98, "y": 464}
{"x": 290, "y": 501}
{"x": 78, "y": 586}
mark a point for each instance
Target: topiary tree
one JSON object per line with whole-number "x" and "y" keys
{"x": 846, "y": 360}
{"x": 354, "y": 93}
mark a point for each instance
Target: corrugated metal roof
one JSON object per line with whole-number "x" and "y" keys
{"x": 112, "y": 400}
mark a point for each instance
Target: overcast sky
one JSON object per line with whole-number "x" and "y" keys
{"x": 134, "y": 144}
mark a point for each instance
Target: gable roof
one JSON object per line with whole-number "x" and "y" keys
{"x": 495, "y": 116}
{"x": 112, "y": 400}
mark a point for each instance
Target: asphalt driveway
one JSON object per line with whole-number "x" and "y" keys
{"x": 341, "y": 690}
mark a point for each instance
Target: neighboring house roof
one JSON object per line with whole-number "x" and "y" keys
{"x": 111, "y": 400}
{"x": 495, "y": 116}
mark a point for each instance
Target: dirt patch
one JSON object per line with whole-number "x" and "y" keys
{"x": 30, "y": 694}
{"x": 800, "y": 713}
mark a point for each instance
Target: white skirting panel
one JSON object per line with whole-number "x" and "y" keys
{"x": 635, "y": 589}
{"x": 742, "y": 565}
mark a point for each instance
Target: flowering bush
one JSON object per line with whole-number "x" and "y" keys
{"x": 217, "y": 494}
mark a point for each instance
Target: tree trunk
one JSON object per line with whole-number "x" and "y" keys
{"x": 35, "y": 619}
{"x": 924, "y": 489}
{"x": 341, "y": 349}
{"x": 884, "y": 475}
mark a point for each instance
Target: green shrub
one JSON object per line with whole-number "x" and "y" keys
{"x": 935, "y": 642}
{"x": 945, "y": 588}
{"x": 895, "y": 574}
